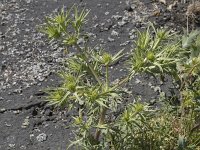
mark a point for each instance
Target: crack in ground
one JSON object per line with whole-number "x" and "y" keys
{"x": 27, "y": 107}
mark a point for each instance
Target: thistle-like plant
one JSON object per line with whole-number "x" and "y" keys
{"x": 84, "y": 81}
{"x": 155, "y": 54}
{"x": 87, "y": 85}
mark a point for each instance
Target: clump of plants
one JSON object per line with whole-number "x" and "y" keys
{"x": 88, "y": 88}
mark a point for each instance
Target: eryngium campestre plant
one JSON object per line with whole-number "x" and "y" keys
{"x": 86, "y": 87}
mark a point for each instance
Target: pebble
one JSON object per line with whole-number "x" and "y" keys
{"x": 116, "y": 17}
{"x": 41, "y": 137}
{"x": 111, "y": 39}
{"x": 137, "y": 81}
{"x": 99, "y": 5}
{"x": 48, "y": 112}
{"x": 80, "y": 41}
{"x": 132, "y": 32}
{"x": 125, "y": 43}
{"x": 157, "y": 89}
{"x": 31, "y": 137}
{"x": 7, "y": 124}
{"x": 26, "y": 123}
{"x": 17, "y": 91}
{"x": 132, "y": 37}
{"x": 28, "y": 1}
{"x": 11, "y": 145}
{"x": 2, "y": 110}
{"x": 121, "y": 23}
{"x": 114, "y": 33}
{"x": 23, "y": 147}
{"x": 16, "y": 111}
{"x": 106, "y": 13}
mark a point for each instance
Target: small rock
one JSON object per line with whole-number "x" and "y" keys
{"x": 31, "y": 137}
{"x": 114, "y": 33}
{"x": 41, "y": 137}
{"x": 132, "y": 37}
{"x": 116, "y": 17}
{"x": 157, "y": 89}
{"x": 17, "y": 91}
{"x": 11, "y": 145}
{"x": 106, "y": 13}
{"x": 138, "y": 25}
{"x": 26, "y": 123}
{"x": 2, "y": 110}
{"x": 16, "y": 111}
{"x": 7, "y": 124}
{"x": 132, "y": 32}
{"x": 138, "y": 81}
{"x": 101, "y": 41}
{"x": 80, "y": 41}
{"x": 111, "y": 39}
{"x": 125, "y": 43}
{"x": 23, "y": 147}
{"x": 28, "y": 1}
{"x": 41, "y": 78}
{"x": 48, "y": 112}
{"x": 121, "y": 23}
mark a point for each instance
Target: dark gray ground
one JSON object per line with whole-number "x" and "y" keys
{"x": 28, "y": 63}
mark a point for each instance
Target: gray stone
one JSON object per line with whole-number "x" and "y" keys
{"x": 41, "y": 137}
{"x": 111, "y": 39}
{"x": 114, "y": 33}
{"x": 26, "y": 123}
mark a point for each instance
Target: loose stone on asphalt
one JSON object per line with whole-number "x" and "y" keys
{"x": 41, "y": 137}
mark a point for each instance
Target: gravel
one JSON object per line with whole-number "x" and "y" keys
{"x": 25, "y": 54}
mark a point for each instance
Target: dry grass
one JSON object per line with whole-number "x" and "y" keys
{"x": 193, "y": 9}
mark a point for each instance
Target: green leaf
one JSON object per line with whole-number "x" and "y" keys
{"x": 181, "y": 142}
{"x": 101, "y": 102}
{"x": 187, "y": 40}
{"x": 102, "y": 126}
{"x": 71, "y": 40}
{"x": 79, "y": 18}
{"x": 117, "y": 56}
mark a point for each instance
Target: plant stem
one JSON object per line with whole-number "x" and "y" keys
{"x": 156, "y": 44}
{"x": 88, "y": 63}
{"x": 101, "y": 121}
{"x": 187, "y": 29}
{"x": 107, "y": 78}
{"x": 120, "y": 83}
{"x": 104, "y": 109}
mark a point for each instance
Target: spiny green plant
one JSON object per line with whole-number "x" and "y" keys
{"x": 87, "y": 85}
